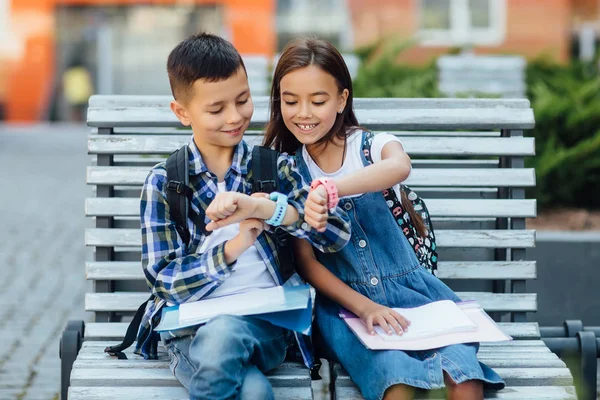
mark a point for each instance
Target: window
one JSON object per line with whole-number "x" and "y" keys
{"x": 462, "y": 22}
{"x": 327, "y": 19}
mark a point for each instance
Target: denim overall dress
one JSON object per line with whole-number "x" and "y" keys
{"x": 379, "y": 263}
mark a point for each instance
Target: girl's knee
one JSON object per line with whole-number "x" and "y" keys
{"x": 468, "y": 390}
{"x": 399, "y": 392}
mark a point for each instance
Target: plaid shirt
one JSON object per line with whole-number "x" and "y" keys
{"x": 176, "y": 273}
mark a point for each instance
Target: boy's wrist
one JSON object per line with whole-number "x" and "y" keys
{"x": 234, "y": 249}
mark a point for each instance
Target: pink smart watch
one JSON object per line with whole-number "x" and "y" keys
{"x": 332, "y": 191}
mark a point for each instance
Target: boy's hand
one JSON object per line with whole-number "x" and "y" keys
{"x": 250, "y": 229}
{"x": 388, "y": 319}
{"x": 315, "y": 209}
{"x": 229, "y": 208}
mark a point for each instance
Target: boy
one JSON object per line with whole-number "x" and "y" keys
{"x": 226, "y": 357}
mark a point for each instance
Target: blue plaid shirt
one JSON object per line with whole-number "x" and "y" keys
{"x": 176, "y": 273}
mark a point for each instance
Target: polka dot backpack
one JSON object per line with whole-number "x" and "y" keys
{"x": 425, "y": 247}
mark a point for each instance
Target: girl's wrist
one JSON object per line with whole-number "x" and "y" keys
{"x": 362, "y": 306}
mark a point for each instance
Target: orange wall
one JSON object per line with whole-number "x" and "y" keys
{"x": 30, "y": 76}
{"x": 586, "y": 10}
{"x": 533, "y": 27}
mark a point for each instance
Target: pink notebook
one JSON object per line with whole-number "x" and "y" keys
{"x": 485, "y": 330}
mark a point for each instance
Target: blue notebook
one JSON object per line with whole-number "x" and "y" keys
{"x": 294, "y": 313}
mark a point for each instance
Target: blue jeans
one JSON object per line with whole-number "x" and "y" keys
{"x": 227, "y": 358}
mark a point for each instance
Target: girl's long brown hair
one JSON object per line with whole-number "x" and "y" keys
{"x": 301, "y": 53}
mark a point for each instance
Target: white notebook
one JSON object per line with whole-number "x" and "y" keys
{"x": 257, "y": 301}
{"x": 433, "y": 319}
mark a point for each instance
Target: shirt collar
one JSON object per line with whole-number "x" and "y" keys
{"x": 238, "y": 164}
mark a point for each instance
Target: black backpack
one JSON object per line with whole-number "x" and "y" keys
{"x": 179, "y": 195}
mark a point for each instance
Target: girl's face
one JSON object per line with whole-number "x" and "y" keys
{"x": 310, "y": 102}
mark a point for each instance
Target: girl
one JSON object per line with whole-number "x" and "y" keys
{"x": 312, "y": 116}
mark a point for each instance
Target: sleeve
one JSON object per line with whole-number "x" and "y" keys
{"x": 337, "y": 233}
{"x": 171, "y": 273}
{"x": 379, "y": 142}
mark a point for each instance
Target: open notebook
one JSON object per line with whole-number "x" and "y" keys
{"x": 432, "y": 326}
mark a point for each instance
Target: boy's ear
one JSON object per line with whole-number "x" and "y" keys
{"x": 181, "y": 113}
{"x": 343, "y": 99}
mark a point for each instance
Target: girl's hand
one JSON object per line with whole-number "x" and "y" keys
{"x": 376, "y": 314}
{"x": 315, "y": 208}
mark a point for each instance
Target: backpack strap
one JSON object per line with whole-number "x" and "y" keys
{"x": 178, "y": 190}
{"x": 179, "y": 194}
{"x": 264, "y": 173}
{"x": 130, "y": 335}
{"x": 264, "y": 170}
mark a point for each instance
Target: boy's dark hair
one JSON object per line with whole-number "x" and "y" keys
{"x": 201, "y": 56}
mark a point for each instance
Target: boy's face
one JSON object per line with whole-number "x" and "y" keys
{"x": 218, "y": 112}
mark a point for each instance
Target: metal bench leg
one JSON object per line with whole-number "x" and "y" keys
{"x": 70, "y": 344}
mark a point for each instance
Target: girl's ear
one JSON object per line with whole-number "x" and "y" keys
{"x": 343, "y": 99}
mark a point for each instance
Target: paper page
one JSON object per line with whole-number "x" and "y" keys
{"x": 238, "y": 304}
{"x": 432, "y": 319}
{"x": 487, "y": 331}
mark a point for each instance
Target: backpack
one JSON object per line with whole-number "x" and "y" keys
{"x": 179, "y": 196}
{"x": 425, "y": 247}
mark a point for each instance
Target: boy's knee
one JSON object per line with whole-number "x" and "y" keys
{"x": 255, "y": 386}
{"x": 220, "y": 335}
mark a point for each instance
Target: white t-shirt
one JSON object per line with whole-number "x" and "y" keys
{"x": 353, "y": 161}
{"x": 249, "y": 273}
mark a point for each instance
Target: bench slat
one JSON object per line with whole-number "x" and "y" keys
{"x": 414, "y": 146}
{"x": 132, "y": 270}
{"x": 500, "y": 350}
{"x": 286, "y": 375}
{"x": 180, "y": 393}
{"x": 508, "y": 360}
{"x": 163, "y": 377}
{"x": 508, "y": 393}
{"x": 162, "y": 393}
{"x": 419, "y": 177}
{"x": 113, "y": 237}
{"x": 476, "y": 208}
{"x": 130, "y": 301}
{"x": 400, "y": 118}
{"x": 96, "y": 331}
{"x": 368, "y": 103}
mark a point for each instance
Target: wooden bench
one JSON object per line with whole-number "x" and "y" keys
{"x": 468, "y": 165}
{"x": 469, "y": 74}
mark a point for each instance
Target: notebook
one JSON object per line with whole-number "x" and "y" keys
{"x": 486, "y": 331}
{"x": 287, "y": 306}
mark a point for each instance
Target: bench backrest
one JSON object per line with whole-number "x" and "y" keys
{"x": 468, "y": 159}
{"x": 503, "y": 76}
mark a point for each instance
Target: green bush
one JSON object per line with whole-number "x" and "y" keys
{"x": 566, "y": 104}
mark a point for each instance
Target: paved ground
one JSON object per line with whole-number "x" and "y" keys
{"x": 42, "y": 191}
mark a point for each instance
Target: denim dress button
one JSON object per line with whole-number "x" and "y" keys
{"x": 348, "y": 206}
{"x": 362, "y": 244}
{"x": 374, "y": 281}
